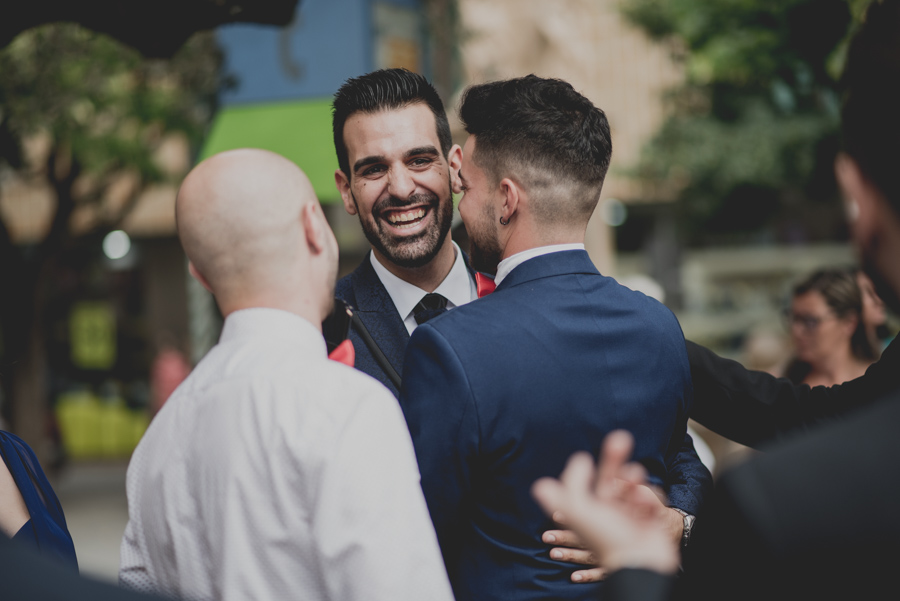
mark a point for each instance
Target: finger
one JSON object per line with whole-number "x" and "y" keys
{"x": 634, "y": 473}
{"x": 550, "y": 495}
{"x": 617, "y": 447}
{"x": 581, "y": 556}
{"x": 588, "y": 576}
{"x": 578, "y": 473}
{"x": 563, "y": 538}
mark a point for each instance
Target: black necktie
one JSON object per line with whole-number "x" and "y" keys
{"x": 430, "y": 306}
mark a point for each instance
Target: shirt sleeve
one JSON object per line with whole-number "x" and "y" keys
{"x": 372, "y": 529}
{"x": 133, "y": 572}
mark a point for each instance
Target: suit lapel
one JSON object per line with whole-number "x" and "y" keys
{"x": 377, "y": 311}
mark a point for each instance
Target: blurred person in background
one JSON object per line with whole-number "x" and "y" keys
{"x": 828, "y": 331}
{"x": 170, "y": 368}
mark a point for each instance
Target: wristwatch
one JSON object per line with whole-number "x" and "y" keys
{"x": 688, "y": 526}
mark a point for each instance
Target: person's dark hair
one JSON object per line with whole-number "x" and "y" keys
{"x": 545, "y": 135}
{"x": 383, "y": 90}
{"x": 841, "y": 292}
{"x": 871, "y": 113}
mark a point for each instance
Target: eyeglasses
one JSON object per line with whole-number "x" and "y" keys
{"x": 808, "y": 323}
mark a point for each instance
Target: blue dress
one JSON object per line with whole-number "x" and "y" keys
{"x": 46, "y": 529}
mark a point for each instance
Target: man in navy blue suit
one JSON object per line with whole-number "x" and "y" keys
{"x": 501, "y": 391}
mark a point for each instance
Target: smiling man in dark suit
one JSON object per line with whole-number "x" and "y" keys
{"x": 503, "y": 390}
{"x": 398, "y": 168}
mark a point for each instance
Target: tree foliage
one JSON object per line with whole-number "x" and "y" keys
{"x": 753, "y": 130}
{"x": 100, "y": 101}
{"x": 79, "y": 114}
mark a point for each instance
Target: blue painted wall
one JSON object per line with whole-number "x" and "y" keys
{"x": 329, "y": 41}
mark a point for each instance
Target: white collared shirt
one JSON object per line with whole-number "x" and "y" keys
{"x": 510, "y": 263}
{"x": 275, "y": 473}
{"x": 458, "y": 288}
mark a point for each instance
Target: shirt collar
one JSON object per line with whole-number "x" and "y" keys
{"x": 458, "y": 287}
{"x": 260, "y": 322}
{"x": 510, "y": 263}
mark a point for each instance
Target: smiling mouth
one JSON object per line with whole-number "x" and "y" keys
{"x": 406, "y": 219}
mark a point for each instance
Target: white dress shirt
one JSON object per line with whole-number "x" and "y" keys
{"x": 510, "y": 263}
{"x": 274, "y": 473}
{"x": 458, "y": 288}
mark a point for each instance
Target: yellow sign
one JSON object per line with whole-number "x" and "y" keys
{"x": 92, "y": 335}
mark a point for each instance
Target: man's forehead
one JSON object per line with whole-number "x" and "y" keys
{"x": 390, "y": 130}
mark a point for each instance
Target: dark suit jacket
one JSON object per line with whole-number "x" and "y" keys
{"x": 500, "y": 392}
{"x": 753, "y": 408}
{"x": 363, "y": 291}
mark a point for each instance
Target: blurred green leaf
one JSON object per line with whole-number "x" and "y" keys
{"x": 758, "y": 109}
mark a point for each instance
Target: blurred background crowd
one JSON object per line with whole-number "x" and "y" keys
{"x": 720, "y": 201}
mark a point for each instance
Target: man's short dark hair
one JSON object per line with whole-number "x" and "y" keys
{"x": 382, "y": 90}
{"x": 870, "y": 121}
{"x": 546, "y": 136}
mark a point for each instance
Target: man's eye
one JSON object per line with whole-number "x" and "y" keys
{"x": 419, "y": 162}
{"x": 374, "y": 169}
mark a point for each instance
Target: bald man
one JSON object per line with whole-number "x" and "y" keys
{"x": 272, "y": 472}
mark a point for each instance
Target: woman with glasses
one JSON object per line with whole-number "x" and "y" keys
{"x": 827, "y": 330}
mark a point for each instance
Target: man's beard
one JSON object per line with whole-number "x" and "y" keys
{"x": 409, "y": 251}
{"x": 484, "y": 246}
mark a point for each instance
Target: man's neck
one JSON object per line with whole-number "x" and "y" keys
{"x": 527, "y": 241}
{"x": 298, "y": 304}
{"x": 429, "y": 276}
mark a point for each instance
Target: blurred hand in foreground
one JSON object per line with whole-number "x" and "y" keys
{"x": 618, "y": 518}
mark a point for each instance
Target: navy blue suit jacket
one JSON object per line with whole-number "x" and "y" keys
{"x": 502, "y": 391}
{"x": 371, "y": 302}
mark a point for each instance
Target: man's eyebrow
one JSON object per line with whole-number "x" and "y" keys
{"x": 421, "y": 150}
{"x": 367, "y": 161}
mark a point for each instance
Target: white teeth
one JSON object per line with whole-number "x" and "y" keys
{"x": 400, "y": 219}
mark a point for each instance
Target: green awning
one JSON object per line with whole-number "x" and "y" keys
{"x": 300, "y": 131}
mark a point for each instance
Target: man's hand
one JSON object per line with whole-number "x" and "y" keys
{"x": 622, "y": 521}
{"x": 570, "y": 548}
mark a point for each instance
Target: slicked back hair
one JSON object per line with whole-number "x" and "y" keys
{"x": 870, "y": 121}
{"x": 545, "y": 136}
{"x": 385, "y": 89}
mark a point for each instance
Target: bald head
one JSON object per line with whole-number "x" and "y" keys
{"x": 251, "y": 225}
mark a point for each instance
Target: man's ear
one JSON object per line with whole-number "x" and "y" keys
{"x": 343, "y": 185}
{"x": 315, "y": 227}
{"x": 199, "y": 277}
{"x": 511, "y": 195}
{"x": 454, "y": 160}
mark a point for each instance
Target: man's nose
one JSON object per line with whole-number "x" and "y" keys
{"x": 401, "y": 183}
